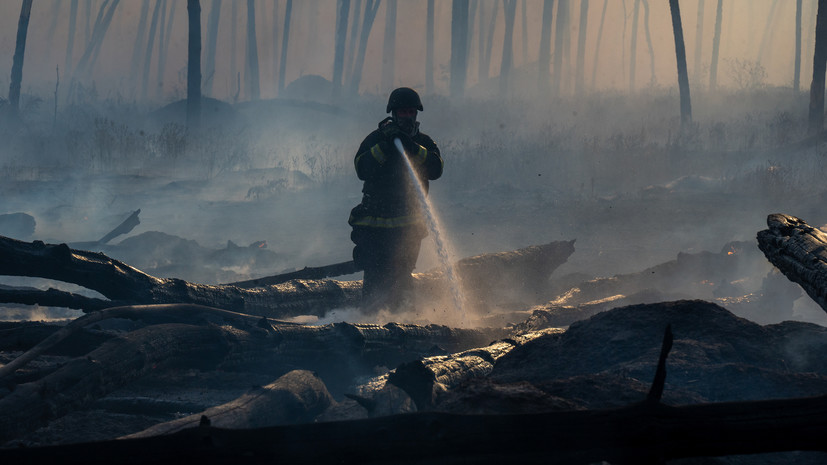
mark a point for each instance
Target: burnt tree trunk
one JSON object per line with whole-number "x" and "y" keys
{"x": 253, "y": 88}
{"x": 342, "y": 12}
{"x": 297, "y": 397}
{"x": 139, "y": 41}
{"x": 560, "y": 41}
{"x": 510, "y": 12}
{"x": 459, "y": 46}
{"x": 579, "y": 71}
{"x": 699, "y": 42}
{"x": 212, "y": 42}
{"x": 19, "y": 53}
{"x": 680, "y": 56}
{"x": 194, "y": 64}
{"x": 371, "y": 7}
{"x": 716, "y": 47}
{"x": 798, "y": 250}
{"x": 487, "y": 276}
{"x": 70, "y": 39}
{"x": 597, "y": 45}
{"x": 285, "y": 37}
{"x": 816, "y": 116}
{"x": 163, "y": 44}
{"x": 150, "y": 45}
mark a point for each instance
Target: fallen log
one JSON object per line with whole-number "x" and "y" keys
{"x": 799, "y": 251}
{"x": 125, "y": 285}
{"x": 319, "y": 272}
{"x": 297, "y": 397}
{"x": 641, "y": 433}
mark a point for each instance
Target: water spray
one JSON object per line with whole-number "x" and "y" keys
{"x": 443, "y": 250}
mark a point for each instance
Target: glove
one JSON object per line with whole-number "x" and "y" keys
{"x": 391, "y": 130}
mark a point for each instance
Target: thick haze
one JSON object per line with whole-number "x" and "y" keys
{"x": 743, "y": 37}
{"x": 611, "y": 167}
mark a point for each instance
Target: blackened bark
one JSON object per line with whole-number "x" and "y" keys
{"x": 194, "y": 64}
{"x": 816, "y": 116}
{"x": 716, "y": 46}
{"x": 680, "y": 55}
{"x": 19, "y": 53}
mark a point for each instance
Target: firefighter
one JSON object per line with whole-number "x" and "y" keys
{"x": 388, "y": 225}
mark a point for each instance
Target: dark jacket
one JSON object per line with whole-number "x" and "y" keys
{"x": 389, "y": 199}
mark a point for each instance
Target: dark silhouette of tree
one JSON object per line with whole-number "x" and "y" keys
{"x": 459, "y": 46}
{"x": 487, "y": 42}
{"x": 352, "y": 41}
{"x": 253, "y": 89}
{"x": 288, "y": 11}
{"x": 699, "y": 41}
{"x": 165, "y": 39}
{"x": 19, "y": 54}
{"x": 597, "y": 45}
{"x": 633, "y": 49}
{"x": 212, "y": 41}
{"x": 560, "y": 35}
{"x": 816, "y": 116}
{"x": 797, "y": 66}
{"x": 140, "y": 39}
{"x": 510, "y": 11}
{"x": 544, "y": 60}
{"x": 88, "y": 32}
{"x": 342, "y": 11}
{"x": 371, "y": 7}
{"x": 70, "y": 39}
{"x": 680, "y": 55}
{"x": 389, "y": 45}
{"x": 579, "y": 70}
{"x": 104, "y": 19}
{"x": 652, "y": 77}
{"x": 716, "y": 46}
{"x": 429, "y": 47}
{"x": 150, "y": 44}
{"x": 233, "y": 43}
{"x": 194, "y": 64}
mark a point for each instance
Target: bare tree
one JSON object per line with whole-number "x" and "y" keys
{"x": 371, "y": 7}
{"x": 163, "y": 45}
{"x": 389, "y": 45}
{"x": 716, "y": 45}
{"x": 253, "y": 88}
{"x": 560, "y": 35}
{"x": 510, "y": 11}
{"x": 816, "y": 116}
{"x": 212, "y": 40}
{"x": 680, "y": 55}
{"x": 19, "y": 53}
{"x": 429, "y": 46}
{"x": 194, "y": 64}
{"x": 288, "y": 11}
{"x": 352, "y": 41}
{"x": 104, "y": 19}
{"x": 487, "y": 42}
{"x": 233, "y": 37}
{"x": 597, "y": 45}
{"x": 544, "y": 60}
{"x": 766, "y": 38}
{"x": 579, "y": 71}
{"x": 797, "y": 66}
{"x": 70, "y": 40}
{"x": 459, "y": 46}
{"x": 652, "y": 77}
{"x": 150, "y": 44}
{"x": 699, "y": 42}
{"x": 633, "y": 50}
{"x": 342, "y": 11}
{"x": 139, "y": 41}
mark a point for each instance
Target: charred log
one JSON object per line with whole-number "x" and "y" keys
{"x": 297, "y": 397}
{"x": 799, "y": 251}
{"x": 485, "y": 274}
{"x": 640, "y": 433}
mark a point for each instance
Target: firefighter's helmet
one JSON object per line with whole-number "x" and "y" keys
{"x": 404, "y": 97}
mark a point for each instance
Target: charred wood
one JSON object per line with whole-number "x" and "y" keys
{"x": 639, "y": 433}
{"x": 297, "y": 397}
{"x": 319, "y": 272}
{"x": 799, "y": 251}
